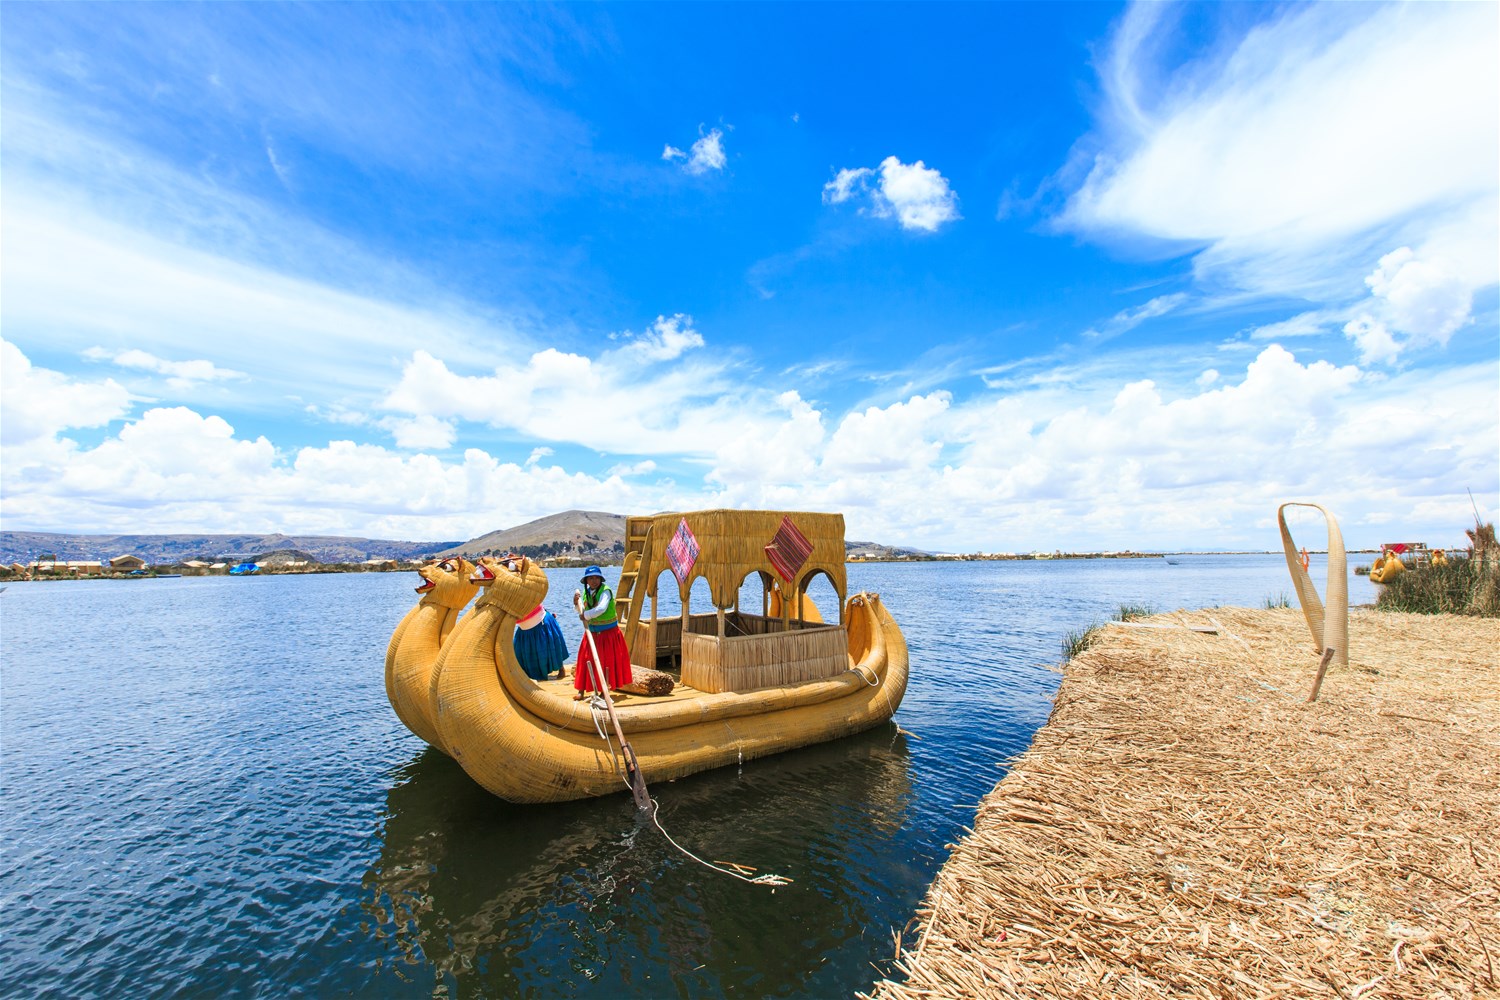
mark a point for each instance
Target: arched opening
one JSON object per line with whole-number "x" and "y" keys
{"x": 821, "y": 601}
{"x": 701, "y": 615}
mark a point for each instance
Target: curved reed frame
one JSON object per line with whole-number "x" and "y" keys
{"x": 414, "y": 646}
{"x": 1330, "y": 625}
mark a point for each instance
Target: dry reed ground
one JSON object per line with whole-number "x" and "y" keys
{"x": 1186, "y": 824}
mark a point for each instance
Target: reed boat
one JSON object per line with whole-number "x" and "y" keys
{"x": 746, "y": 684}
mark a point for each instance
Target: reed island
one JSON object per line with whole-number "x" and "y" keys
{"x": 1189, "y": 823}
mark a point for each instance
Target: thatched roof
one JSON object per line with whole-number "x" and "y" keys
{"x": 732, "y": 545}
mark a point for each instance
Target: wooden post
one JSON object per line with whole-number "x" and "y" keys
{"x": 1322, "y": 669}
{"x": 719, "y": 612}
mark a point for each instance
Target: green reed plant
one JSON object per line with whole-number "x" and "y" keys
{"x": 1076, "y": 642}
{"x": 1458, "y": 587}
{"x": 1279, "y": 600}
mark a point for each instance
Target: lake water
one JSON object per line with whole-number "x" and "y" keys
{"x": 204, "y": 792}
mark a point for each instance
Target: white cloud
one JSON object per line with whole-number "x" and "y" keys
{"x": 1319, "y": 140}
{"x": 626, "y": 469}
{"x": 1115, "y": 461}
{"x": 1425, "y": 299}
{"x": 704, "y": 155}
{"x": 1304, "y": 324}
{"x": 665, "y": 340}
{"x": 624, "y": 400}
{"x": 1375, "y": 343}
{"x": 845, "y": 185}
{"x": 38, "y": 403}
{"x": 180, "y": 374}
{"x": 916, "y": 196}
{"x": 421, "y": 432}
{"x": 1128, "y": 319}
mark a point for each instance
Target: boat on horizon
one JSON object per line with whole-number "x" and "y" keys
{"x": 746, "y": 684}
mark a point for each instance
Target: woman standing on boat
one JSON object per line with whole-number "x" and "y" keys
{"x": 595, "y": 604}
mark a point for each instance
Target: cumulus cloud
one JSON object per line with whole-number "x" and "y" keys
{"x": 665, "y": 340}
{"x": 1425, "y": 299}
{"x": 1413, "y": 303}
{"x": 916, "y": 196}
{"x": 421, "y": 432}
{"x": 1375, "y": 343}
{"x": 1288, "y": 158}
{"x": 38, "y": 403}
{"x": 657, "y": 392}
{"x": 704, "y": 155}
{"x": 1139, "y": 461}
{"x": 180, "y": 374}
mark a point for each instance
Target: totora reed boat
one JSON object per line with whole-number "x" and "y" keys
{"x": 746, "y": 684}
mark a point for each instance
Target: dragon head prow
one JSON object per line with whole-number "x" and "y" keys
{"x": 447, "y": 582}
{"x": 514, "y": 583}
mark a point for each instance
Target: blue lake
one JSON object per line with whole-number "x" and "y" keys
{"x": 203, "y": 791}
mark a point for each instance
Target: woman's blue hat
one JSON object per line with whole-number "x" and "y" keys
{"x": 593, "y": 571}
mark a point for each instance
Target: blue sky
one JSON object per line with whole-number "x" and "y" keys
{"x": 991, "y": 277}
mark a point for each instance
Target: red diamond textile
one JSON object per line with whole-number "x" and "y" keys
{"x": 788, "y": 550}
{"x": 682, "y": 551}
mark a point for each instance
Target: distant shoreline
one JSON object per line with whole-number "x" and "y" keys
{"x": 172, "y": 570}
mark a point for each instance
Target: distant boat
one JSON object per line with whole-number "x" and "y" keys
{"x": 1171, "y": 560}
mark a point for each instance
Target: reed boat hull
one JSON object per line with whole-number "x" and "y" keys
{"x": 530, "y": 742}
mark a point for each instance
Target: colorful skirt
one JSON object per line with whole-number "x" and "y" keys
{"x": 613, "y": 656}
{"x": 540, "y": 647}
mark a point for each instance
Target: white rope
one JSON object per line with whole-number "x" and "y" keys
{"x": 766, "y": 879}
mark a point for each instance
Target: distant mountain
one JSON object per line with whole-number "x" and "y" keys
{"x": 875, "y": 551}
{"x": 582, "y": 533}
{"x": 24, "y": 546}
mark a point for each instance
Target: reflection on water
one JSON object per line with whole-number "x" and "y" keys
{"x": 204, "y": 792}
{"x": 577, "y": 898}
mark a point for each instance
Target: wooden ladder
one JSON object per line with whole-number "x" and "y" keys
{"x": 635, "y": 578}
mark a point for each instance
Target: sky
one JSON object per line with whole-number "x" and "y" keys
{"x": 982, "y": 277}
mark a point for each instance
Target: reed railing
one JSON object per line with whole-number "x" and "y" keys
{"x": 766, "y": 658}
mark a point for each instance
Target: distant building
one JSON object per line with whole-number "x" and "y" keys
{"x": 127, "y": 563}
{"x": 57, "y": 567}
{"x": 195, "y": 564}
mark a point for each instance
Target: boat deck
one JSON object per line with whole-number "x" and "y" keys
{"x": 563, "y": 688}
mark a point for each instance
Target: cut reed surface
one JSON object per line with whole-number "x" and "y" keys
{"x": 1188, "y": 824}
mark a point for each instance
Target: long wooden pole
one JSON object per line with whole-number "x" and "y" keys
{"x": 632, "y": 766}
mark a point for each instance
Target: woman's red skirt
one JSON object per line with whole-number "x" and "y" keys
{"x": 613, "y": 655}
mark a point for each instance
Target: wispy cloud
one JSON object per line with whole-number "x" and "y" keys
{"x": 1128, "y": 319}
{"x": 1261, "y": 155}
{"x": 180, "y": 374}
{"x": 703, "y": 156}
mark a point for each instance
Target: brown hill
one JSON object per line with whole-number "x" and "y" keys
{"x": 583, "y": 533}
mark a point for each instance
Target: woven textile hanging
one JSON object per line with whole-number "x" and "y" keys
{"x": 788, "y": 550}
{"x": 682, "y": 551}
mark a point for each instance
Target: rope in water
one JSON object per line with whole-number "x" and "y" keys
{"x": 766, "y": 879}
